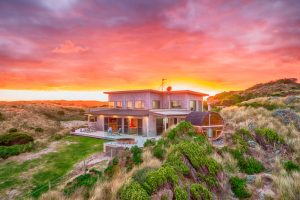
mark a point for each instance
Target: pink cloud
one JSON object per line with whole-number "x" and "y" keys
{"x": 69, "y": 47}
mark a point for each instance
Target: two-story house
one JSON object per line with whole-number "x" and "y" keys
{"x": 145, "y": 112}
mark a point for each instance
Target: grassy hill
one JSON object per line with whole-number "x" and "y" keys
{"x": 278, "y": 88}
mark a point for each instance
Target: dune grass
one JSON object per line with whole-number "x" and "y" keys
{"x": 33, "y": 176}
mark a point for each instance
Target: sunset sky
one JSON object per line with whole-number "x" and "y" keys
{"x": 71, "y": 49}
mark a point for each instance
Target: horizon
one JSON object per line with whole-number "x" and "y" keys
{"x": 75, "y": 50}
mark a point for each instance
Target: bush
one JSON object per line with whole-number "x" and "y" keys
{"x": 149, "y": 143}
{"x": 159, "y": 177}
{"x": 270, "y": 135}
{"x": 136, "y": 155}
{"x": 181, "y": 194}
{"x": 174, "y": 159}
{"x": 61, "y": 112}
{"x": 184, "y": 128}
{"x": 15, "y": 138}
{"x": 141, "y": 174}
{"x": 2, "y": 118}
{"x": 198, "y": 191}
{"x": 7, "y": 151}
{"x": 85, "y": 180}
{"x": 158, "y": 152}
{"x": 133, "y": 191}
{"x": 111, "y": 168}
{"x": 38, "y": 130}
{"x": 291, "y": 166}
{"x": 238, "y": 187}
{"x": 13, "y": 130}
{"x": 248, "y": 165}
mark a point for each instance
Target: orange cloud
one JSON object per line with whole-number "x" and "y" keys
{"x": 69, "y": 47}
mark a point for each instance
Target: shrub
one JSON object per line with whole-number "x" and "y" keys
{"x": 238, "y": 187}
{"x": 85, "y": 180}
{"x": 111, "y": 168}
{"x": 136, "y": 155}
{"x": 133, "y": 191}
{"x": 159, "y": 177}
{"x": 2, "y": 118}
{"x": 38, "y": 130}
{"x": 181, "y": 194}
{"x": 184, "y": 128}
{"x": 15, "y": 138}
{"x": 172, "y": 134}
{"x": 61, "y": 112}
{"x": 149, "y": 143}
{"x": 268, "y": 106}
{"x": 248, "y": 165}
{"x": 174, "y": 159}
{"x": 13, "y": 130}
{"x": 270, "y": 135}
{"x": 7, "y": 151}
{"x": 141, "y": 174}
{"x": 158, "y": 152}
{"x": 198, "y": 191}
{"x": 291, "y": 166}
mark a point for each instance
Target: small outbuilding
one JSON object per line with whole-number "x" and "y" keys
{"x": 208, "y": 123}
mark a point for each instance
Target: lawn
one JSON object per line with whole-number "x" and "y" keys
{"x": 32, "y": 177}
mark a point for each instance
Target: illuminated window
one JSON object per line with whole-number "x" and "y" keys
{"x": 111, "y": 104}
{"x": 118, "y": 104}
{"x": 175, "y": 104}
{"x": 155, "y": 104}
{"x": 193, "y": 105}
{"x": 129, "y": 104}
{"x": 139, "y": 104}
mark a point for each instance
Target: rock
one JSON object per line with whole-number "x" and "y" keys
{"x": 288, "y": 116}
{"x": 250, "y": 178}
{"x": 252, "y": 126}
{"x": 252, "y": 143}
{"x": 291, "y": 99}
{"x": 277, "y": 152}
{"x": 261, "y": 196}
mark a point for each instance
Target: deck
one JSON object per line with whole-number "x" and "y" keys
{"x": 140, "y": 140}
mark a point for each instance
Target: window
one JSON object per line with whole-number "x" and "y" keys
{"x": 129, "y": 104}
{"x": 111, "y": 104}
{"x": 200, "y": 106}
{"x": 92, "y": 119}
{"x": 118, "y": 104}
{"x": 139, "y": 104}
{"x": 155, "y": 104}
{"x": 193, "y": 105}
{"x": 175, "y": 104}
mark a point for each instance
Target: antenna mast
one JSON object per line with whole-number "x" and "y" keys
{"x": 163, "y": 84}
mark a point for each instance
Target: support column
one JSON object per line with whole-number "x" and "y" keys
{"x": 123, "y": 124}
{"x": 165, "y": 123}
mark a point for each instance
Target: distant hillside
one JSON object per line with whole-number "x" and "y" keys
{"x": 66, "y": 103}
{"x": 281, "y": 88}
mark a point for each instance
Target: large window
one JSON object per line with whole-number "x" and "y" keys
{"x": 200, "y": 106}
{"x": 129, "y": 104}
{"x": 139, "y": 104}
{"x": 155, "y": 104}
{"x": 111, "y": 104}
{"x": 193, "y": 105}
{"x": 118, "y": 104}
{"x": 175, "y": 104}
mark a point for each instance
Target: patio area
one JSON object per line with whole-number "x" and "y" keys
{"x": 139, "y": 140}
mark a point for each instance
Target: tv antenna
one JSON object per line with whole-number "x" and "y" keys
{"x": 163, "y": 84}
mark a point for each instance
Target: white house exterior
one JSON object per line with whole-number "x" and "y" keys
{"x": 145, "y": 112}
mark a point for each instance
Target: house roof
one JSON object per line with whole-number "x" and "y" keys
{"x": 196, "y": 118}
{"x": 168, "y": 112}
{"x": 158, "y": 92}
{"x": 122, "y": 112}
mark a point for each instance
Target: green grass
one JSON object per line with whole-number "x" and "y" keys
{"x": 48, "y": 168}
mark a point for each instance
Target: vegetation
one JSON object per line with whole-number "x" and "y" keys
{"x": 13, "y": 130}
{"x": 39, "y": 130}
{"x": 48, "y": 168}
{"x": 198, "y": 191}
{"x": 248, "y": 165}
{"x": 133, "y": 191}
{"x": 14, "y": 138}
{"x": 7, "y": 151}
{"x": 2, "y": 118}
{"x": 290, "y": 166}
{"x": 111, "y": 168}
{"x": 136, "y": 155}
{"x": 238, "y": 187}
{"x": 181, "y": 194}
{"x": 270, "y": 135}
{"x": 149, "y": 143}
{"x": 86, "y": 181}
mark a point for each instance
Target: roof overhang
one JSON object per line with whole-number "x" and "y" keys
{"x": 120, "y": 112}
{"x": 169, "y": 112}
